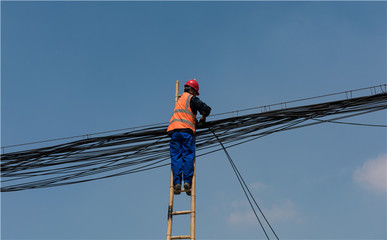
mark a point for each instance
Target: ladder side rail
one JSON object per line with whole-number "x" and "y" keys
{"x": 170, "y": 204}
{"x": 193, "y": 201}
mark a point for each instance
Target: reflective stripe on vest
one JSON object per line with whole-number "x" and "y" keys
{"x": 181, "y": 120}
{"x": 183, "y": 116}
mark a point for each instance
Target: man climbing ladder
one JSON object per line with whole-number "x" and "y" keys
{"x": 181, "y": 129}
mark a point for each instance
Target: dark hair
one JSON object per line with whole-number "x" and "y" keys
{"x": 187, "y": 88}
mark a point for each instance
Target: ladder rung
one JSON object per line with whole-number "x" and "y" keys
{"x": 181, "y": 212}
{"x": 180, "y": 237}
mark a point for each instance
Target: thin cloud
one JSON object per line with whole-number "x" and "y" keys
{"x": 242, "y": 215}
{"x": 372, "y": 175}
{"x": 286, "y": 210}
{"x": 257, "y": 186}
{"x": 242, "y": 218}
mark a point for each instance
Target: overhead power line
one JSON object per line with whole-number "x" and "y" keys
{"x": 148, "y": 148}
{"x": 373, "y": 90}
{"x": 351, "y": 123}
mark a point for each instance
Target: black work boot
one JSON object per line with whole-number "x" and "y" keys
{"x": 187, "y": 188}
{"x": 177, "y": 189}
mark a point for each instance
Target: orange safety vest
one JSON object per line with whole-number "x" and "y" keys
{"x": 183, "y": 116}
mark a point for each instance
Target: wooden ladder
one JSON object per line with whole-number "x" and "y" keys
{"x": 171, "y": 213}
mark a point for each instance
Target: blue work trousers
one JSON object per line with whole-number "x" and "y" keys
{"x": 182, "y": 148}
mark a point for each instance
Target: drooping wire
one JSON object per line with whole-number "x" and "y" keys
{"x": 374, "y": 90}
{"x": 244, "y": 188}
{"x": 148, "y": 148}
{"x": 351, "y": 123}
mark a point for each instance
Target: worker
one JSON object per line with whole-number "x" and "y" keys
{"x": 181, "y": 129}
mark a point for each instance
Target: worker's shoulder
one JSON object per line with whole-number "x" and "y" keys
{"x": 195, "y": 98}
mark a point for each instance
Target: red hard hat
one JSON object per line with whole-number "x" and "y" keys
{"x": 194, "y": 84}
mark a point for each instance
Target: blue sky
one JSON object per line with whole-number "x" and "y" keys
{"x": 71, "y": 68}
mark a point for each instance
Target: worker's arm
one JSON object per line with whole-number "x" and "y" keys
{"x": 198, "y": 105}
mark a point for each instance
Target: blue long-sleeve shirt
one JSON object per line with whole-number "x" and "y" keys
{"x": 197, "y": 105}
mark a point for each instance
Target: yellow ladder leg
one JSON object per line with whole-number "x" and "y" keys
{"x": 170, "y": 209}
{"x": 193, "y": 202}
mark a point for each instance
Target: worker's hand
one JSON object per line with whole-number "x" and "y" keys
{"x": 201, "y": 122}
